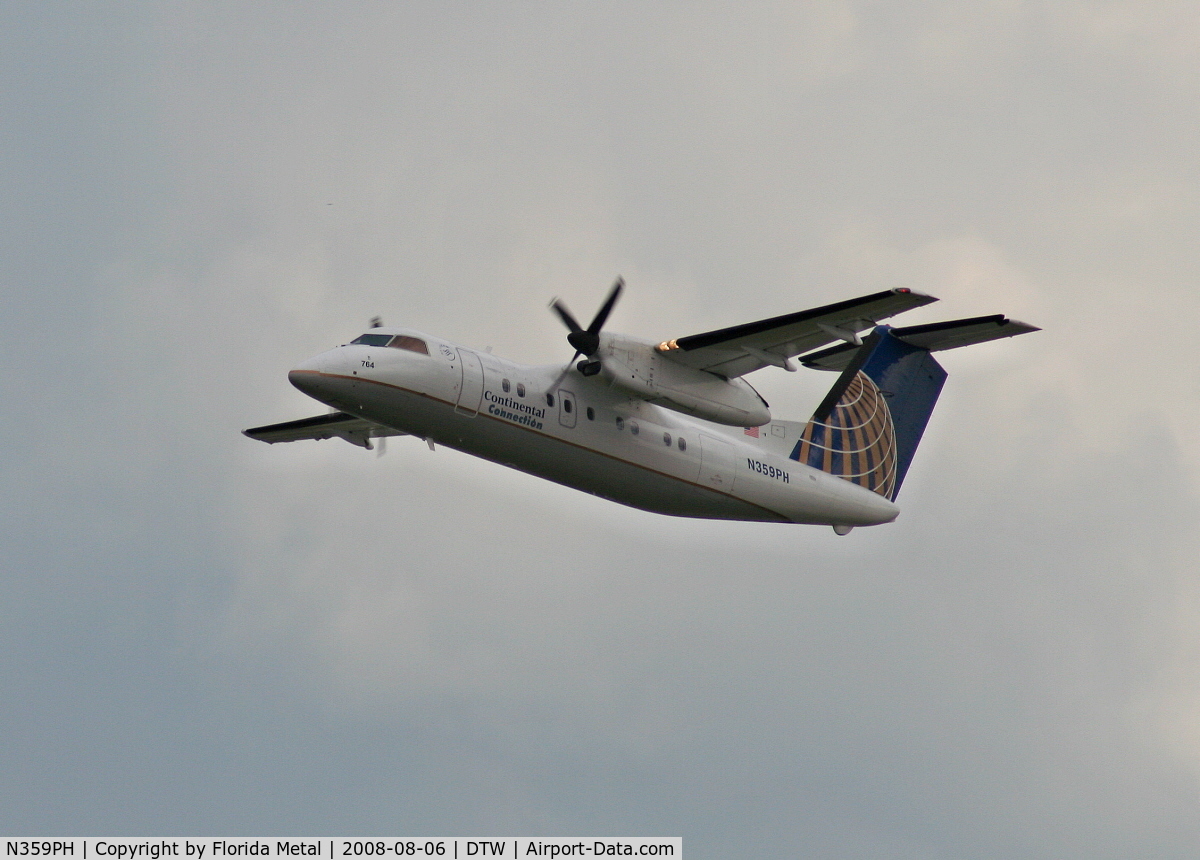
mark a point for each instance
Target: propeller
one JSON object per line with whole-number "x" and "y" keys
{"x": 586, "y": 341}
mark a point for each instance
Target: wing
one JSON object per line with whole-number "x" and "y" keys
{"x": 355, "y": 430}
{"x": 739, "y": 350}
{"x": 933, "y": 337}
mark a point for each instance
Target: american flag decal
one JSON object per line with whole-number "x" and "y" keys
{"x": 751, "y": 431}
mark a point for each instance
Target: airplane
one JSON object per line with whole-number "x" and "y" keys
{"x": 668, "y": 427}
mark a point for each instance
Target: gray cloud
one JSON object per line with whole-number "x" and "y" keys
{"x": 205, "y": 634}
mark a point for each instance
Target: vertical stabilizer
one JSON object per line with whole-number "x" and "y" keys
{"x": 867, "y": 428}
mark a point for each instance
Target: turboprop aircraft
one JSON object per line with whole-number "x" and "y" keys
{"x": 669, "y": 427}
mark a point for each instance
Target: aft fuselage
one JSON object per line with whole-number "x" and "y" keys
{"x": 581, "y": 432}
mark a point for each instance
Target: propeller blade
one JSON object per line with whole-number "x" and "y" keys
{"x": 565, "y": 316}
{"x": 602, "y": 314}
{"x": 564, "y": 373}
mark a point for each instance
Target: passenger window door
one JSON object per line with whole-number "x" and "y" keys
{"x": 566, "y": 408}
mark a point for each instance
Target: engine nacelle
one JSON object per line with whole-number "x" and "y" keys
{"x": 635, "y": 366}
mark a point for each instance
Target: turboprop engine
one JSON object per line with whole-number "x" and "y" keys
{"x": 636, "y": 366}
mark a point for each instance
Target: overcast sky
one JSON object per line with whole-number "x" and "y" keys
{"x": 201, "y": 634}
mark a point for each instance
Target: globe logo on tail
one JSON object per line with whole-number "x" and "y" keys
{"x": 856, "y": 441}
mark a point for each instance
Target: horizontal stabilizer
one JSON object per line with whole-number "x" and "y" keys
{"x": 933, "y": 337}
{"x": 355, "y": 430}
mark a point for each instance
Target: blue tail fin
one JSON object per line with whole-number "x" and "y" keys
{"x": 867, "y": 428}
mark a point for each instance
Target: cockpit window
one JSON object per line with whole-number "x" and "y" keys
{"x": 399, "y": 341}
{"x": 372, "y": 339}
{"x": 413, "y": 344}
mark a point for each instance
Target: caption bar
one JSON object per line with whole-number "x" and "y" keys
{"x": 449, "y": 848}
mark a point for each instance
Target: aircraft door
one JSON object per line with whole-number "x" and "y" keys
{"x": 716, "y": 463}
{"x": 470, "y": 392}
{"x": 567, "y": 408}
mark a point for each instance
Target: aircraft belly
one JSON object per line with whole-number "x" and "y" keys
{"x": 608, "y": 475}
{"x": 634, "y": 473}
{"x": 605, "y": 474}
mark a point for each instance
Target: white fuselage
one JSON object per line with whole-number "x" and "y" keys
{"x": 584, "y": 433}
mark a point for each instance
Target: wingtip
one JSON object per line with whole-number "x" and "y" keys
{"x": 917, "y": 294}
{"x": 1024, "y": 327}
{"x": 249, "y": 434}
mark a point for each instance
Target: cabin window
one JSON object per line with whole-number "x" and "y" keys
{"x": 567, "y": 406}
{"x": 620, "y": 423}
{"x": 504, "y": 384}
{"x": 520, "y": 389}
{"x": 667, "y": 439}
{"x": 549, "y": 399}
{"x": 634, "y": 428}
{"x": 682, "y": 444}
{"x": 591, "y": 414}
{"x": 412, "y": 344}
{"x": 372, "y": 339}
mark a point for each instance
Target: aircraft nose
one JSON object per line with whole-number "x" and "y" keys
{"x": 313, "y": 375}
{"x": 303, "y": 376}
